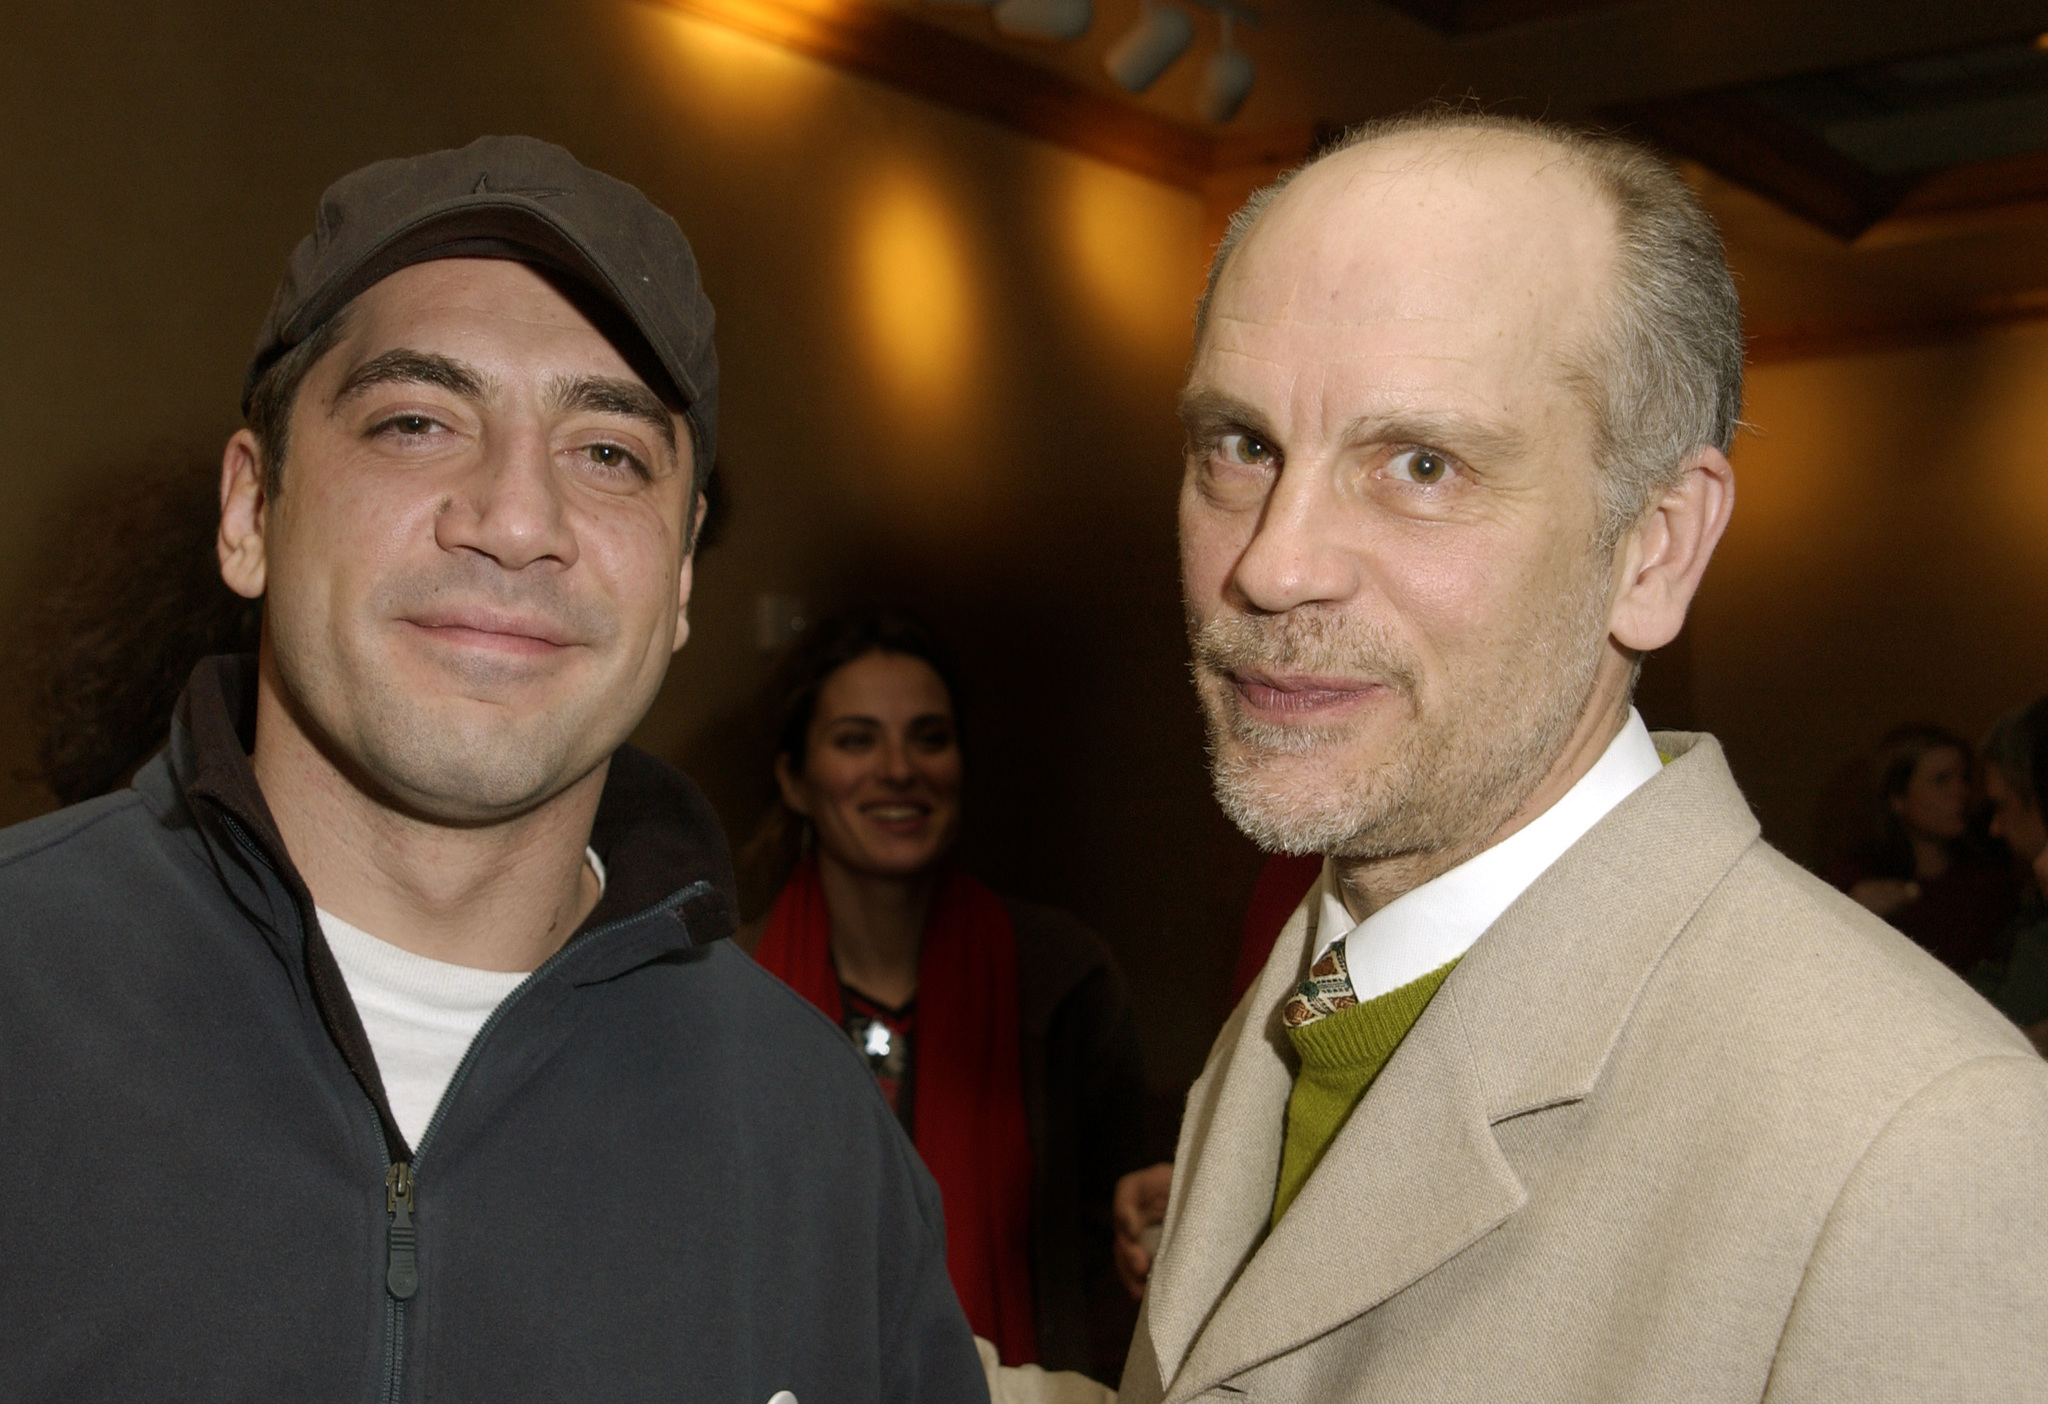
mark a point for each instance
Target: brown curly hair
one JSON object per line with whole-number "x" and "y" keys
{"x": 131, "y": 600}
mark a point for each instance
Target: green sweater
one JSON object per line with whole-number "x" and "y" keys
{"x": 1340, "y": 1056}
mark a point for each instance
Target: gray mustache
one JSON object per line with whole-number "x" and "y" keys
{"x": 1301, "y": 641}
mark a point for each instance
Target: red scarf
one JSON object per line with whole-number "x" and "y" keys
{"x": 969, "y": 1120}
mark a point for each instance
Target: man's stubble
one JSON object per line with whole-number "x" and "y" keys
{"x": 426, "y": 752}
{"x": 1456, "y": 766}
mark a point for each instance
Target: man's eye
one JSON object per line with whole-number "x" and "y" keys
{"x": 1419, "y": 465}
{"x": 611, "y": 456}
{"x": 408, "y": 424}
{"x": 1248, "y": 450}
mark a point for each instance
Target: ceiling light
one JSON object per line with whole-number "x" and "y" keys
{"x": 1226, "y": 82}
{"x": 1162, "y": 35}
{"x": 1045, "y": 19}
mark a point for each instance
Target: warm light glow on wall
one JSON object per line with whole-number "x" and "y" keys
{"x": 916, "y": 293}
{"x": 1133, "y": 244}
{"x": 755, "y": 88}
{"x": 2003, "y": 438}
{"x": 1808, "y": 429}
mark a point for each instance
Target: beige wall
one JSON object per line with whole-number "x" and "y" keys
{"x": 1888, "y": 562}
{"x": 950, "y": 360}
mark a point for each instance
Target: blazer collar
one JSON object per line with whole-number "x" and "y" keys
{"x": 1546, "y": 992}
{"x": 1526, "y": 1021}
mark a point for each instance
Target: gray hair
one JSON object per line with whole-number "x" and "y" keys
{"x": 1663, "y": 376}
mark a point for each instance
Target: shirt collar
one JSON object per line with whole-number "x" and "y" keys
{"x": 1439, "y": 921}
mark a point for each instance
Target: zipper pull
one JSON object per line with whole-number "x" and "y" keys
{"x": 402, "y": 1276}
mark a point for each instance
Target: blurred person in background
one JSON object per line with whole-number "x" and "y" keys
{"x": 1918, "y": 866}
{"x": 2015, "y": 778}
{"x": 998, "y": 1030}
{"x": 131, "y": 599}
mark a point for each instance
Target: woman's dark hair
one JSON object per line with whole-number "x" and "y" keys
{"x": 1903, "y": 748}
{"x": 132, "y": 600}
{"x": 764, "y": 863}
{"x": 1898, "y": 758}
{"x": 830, "y": 645}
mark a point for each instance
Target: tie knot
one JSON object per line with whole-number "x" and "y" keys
{"x": 1326, "y": 990}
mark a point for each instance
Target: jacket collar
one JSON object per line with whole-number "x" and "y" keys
{"x": 654, "y": 829}
{"x": 664, "y": 853}
{"x": 1526, "y": 1021}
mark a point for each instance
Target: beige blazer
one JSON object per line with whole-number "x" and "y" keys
{"x": 1685, "y": 1124}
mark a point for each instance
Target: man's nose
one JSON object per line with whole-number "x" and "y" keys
{"x": 1297, "y": 555}
{"x": 509, "y": 505}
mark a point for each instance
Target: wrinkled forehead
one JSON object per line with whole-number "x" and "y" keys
{"x": 1498, "y": 237}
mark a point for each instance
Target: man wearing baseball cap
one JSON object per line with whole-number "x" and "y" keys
{"x": 382, "y": 1042}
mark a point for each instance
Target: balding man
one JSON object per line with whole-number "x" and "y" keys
{"x": 1560, "y": 1085}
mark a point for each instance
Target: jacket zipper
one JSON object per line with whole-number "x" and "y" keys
{"x": 401, "y": 1177}
{"x": 401, "y": 1260}
{"x": 401, "y": 1272}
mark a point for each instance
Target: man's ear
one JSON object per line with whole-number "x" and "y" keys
{"x": 687, "y": 578}
{"x": 792, "y": 792}
{"x": 1663, "y": 557}
{"x": 244, "y": 513}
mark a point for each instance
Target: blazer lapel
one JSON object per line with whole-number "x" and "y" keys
{"x": 1228, "y": 1161}
{"x": 1412, "y": 1179}
{"x": 1526, "y": 1021}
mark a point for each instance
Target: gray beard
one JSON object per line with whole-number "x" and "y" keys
{"x": 1457, "y": 768}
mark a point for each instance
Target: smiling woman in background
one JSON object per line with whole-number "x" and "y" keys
{"x": 999, "y": 1030}
{"x": 1920, "y": 867}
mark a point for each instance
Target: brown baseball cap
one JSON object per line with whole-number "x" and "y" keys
{"x": 517, "y": 198}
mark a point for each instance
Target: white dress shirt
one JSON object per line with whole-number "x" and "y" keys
{"x": 1439, "y": 921}
{"x": 420, "y": 1014}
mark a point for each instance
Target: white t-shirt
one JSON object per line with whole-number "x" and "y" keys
{"x": 421, "y": 1015}
{"x": 1439, "y": 921}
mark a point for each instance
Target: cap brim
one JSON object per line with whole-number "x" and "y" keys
{"x": 490, "y": 226}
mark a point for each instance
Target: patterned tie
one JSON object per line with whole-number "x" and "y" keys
{"x": 1326, "y": 990}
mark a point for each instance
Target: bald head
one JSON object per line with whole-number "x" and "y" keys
{"x": 1386, "y": 246}
{"x": 1588, "y": 242}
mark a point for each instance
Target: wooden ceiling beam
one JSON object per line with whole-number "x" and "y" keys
{"x": 1802, "y": 341}
{"x": 1467, "y": 17}
{"x": 1784, "y": 163}
{"x": 885, "y": 44}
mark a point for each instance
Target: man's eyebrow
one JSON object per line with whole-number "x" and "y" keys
{"x": 1213, "y": 407}
{"x": 1460, "y": 434}
{"x": 1470, "y": 439}
{"x": 404, "y": 366}
{"x": 603, "y": 394}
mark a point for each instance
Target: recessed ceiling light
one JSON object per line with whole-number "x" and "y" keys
{"x": 1226, "y": 82}
{"x": 1044, "y": 19}
{"x": 1162, "y": 35}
